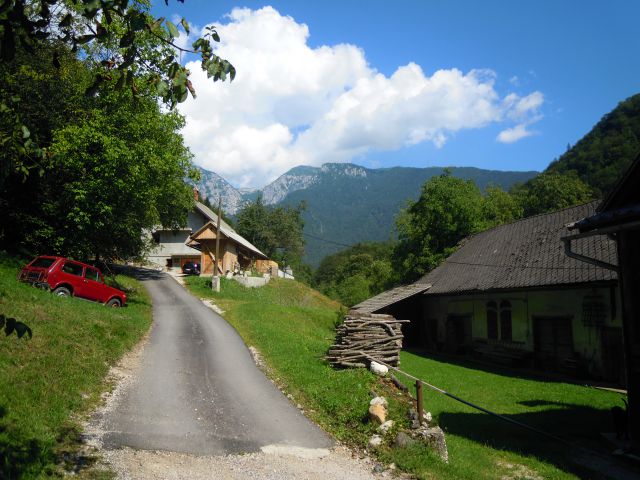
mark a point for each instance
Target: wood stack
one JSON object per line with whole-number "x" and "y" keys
{"x": 364, "y": 335}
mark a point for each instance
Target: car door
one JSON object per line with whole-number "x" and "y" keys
{"x": 93, "y": 285}
{"x": 72, "y": 273}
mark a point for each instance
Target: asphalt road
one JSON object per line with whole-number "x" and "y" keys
{"x": 198, "y": 390}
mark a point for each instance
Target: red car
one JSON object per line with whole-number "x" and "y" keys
{"x": 67, "y": 278}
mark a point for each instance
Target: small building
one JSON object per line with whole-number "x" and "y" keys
{"x": 195, "y": 242}
{"x": 236, "y": 253}
{"x": 511, "y": 295}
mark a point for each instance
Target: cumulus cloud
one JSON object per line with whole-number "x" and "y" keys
{"x": 512, "y": 135}
{"x": 291, "y": 104}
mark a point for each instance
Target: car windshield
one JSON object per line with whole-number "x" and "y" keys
{"x": 42, "y": 262}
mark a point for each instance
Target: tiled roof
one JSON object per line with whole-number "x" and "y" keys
{"x": 225, "y": 228}
{"x": 526, "y": 253}
{"x": 389, "y": 297}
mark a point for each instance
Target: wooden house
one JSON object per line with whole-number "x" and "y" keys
{"x": 511, "y": 295}
{"x": 195, "y": 242}
{"x": 236, "y": 252}
{"x": 170, "y": 249}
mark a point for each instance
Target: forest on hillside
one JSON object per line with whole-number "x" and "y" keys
{"x": 450, "y": 209}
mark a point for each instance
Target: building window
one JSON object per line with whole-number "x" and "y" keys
{"x": 492, "y": 321}
{"x": 505, "y": 320}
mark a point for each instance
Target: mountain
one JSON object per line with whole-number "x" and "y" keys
{"x": 605, "y": 153}
{"x": 212, "y": 186}
{"x": 347, "y": 203}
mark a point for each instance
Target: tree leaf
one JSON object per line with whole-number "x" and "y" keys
{"x": 173, "y": 30}
{"x": 185, "y": 25}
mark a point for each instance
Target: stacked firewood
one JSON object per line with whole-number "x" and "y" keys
{"x": 365, "y": 336}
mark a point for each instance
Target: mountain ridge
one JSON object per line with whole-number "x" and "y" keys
{"x": 348, "y": 203}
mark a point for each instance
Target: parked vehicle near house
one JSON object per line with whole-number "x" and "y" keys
{"x": 191, "y": 268}
{"x": 67, "y": 278}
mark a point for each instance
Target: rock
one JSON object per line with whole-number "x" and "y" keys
{"x": 415, "y": 424}
{"x": 378, "y": 413}
{"x": 427, "y": 416}
{"x": 392, "y": 466}
{"x": 378, "y": 468}
{"x": 378, "y": 369}
{"x": 379, "y": 401}
{"x": 375, "y": 441}
{"x": 385, "y": 427}
{"x": 434, "y": 438}
{"x": 412, "y": 414}
{"x": 403, "y": 440}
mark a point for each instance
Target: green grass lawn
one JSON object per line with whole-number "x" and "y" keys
{"x": 48, "y": 382}
{"x": 293, "y": 326}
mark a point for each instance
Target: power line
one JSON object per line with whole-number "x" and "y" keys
{"x": 327, "y": 241}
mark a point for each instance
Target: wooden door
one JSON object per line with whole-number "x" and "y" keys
{"x": 458, "y": 333}
{"x": 553, "y": 342}
{"x": 612, "y": 355}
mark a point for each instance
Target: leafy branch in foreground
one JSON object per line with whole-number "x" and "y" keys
{"x": 121, "y": 26}
{"x": 129, "y": 47}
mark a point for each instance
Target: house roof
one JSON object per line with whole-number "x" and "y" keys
{"x": 622, "y": 205}
{"x": 225, "y": 229}
{"x": 390, "y": 297}
{"x": 526, "y": 253}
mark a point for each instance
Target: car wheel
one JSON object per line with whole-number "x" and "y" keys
{"x": 62, "y": 292}
{"x": 114, "y": 303}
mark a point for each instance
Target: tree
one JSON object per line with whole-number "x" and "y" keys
{"x": 355, "y": 273}
{"x": 129, "y": 48}
{"x": 552, "y": 191}
{"x": 278, "y": 231}
{"x": 115, "y": 165}
{"x": 500, "y": 207}
{"x": 448, "y": 210}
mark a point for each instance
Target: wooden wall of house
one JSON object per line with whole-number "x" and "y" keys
{"x": 228, "y": 252}
{"x": 267, "y": 266}
{"x": 579, "y": 326}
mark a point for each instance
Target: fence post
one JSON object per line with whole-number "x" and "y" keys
{"x": 419, "y": 407}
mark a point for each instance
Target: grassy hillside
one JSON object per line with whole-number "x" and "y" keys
{"x": 48, "y": 382}
{"x": 293, "y": 326}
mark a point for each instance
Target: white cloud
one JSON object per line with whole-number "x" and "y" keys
{"x": 512, "y": 135}
{"x": 291, "y": 104}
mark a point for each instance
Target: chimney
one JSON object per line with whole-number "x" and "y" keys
{"x": 196, "y": 194}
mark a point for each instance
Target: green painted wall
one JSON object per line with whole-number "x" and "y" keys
{"x": 586, "y": 322}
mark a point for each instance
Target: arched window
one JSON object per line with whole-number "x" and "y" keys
{"x": 492, "y": 320}
{"x": 505, "y": 320}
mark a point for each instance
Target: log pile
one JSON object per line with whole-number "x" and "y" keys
{"x": 364, "y": 335}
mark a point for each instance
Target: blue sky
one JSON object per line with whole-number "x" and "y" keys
{"x": 546, "y": 72}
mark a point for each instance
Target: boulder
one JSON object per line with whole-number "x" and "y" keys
{"x": 379, "y": 401}
{"x": 403, "y": 440}
{"x": 385, "y": 427}
{"x": 378, "y": 413}
{"x": 375, "y": 441}
{"x": 379, "y": 369}
{"x": 434, "y": 437}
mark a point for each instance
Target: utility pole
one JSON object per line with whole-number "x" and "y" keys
{"x": 215, "y": 281}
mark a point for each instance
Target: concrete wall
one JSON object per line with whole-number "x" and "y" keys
{"x": 587, "y": 322}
